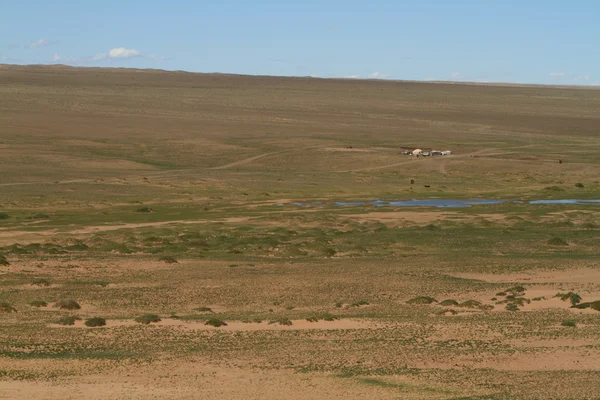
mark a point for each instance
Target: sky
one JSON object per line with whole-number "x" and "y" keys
{"x": 521, "y": 41}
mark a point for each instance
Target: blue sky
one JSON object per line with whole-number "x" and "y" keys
{"x": 524, "y": 41}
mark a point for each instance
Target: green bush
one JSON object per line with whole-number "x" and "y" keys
{"x": 569, "y": 323}
{"x": 422, "y": 300}
{"x": 594, "y": 305}
{"x": 512, "y": 307}
{"x": 579, "y": 185}
{"x": 574, "y": 298}
{"x": 69, "y": 320}
{"x": 147, "y": 319}
{"x": 168, "y": 259}
{"x": 144, "y": 210}
{"x": 38, "y": 303}
{"x": 7, "y": 308}
{"x": 3, "y": 261}
{"x": 40, "y": 282}
{"x": 68, "y": 305}
{"x": 557, "y": 242}
{"x": 95, "y": 322}
{"x": 215, "y": 322}
{"x": 339, "y": 304}
{"x": 4, "y": 215}
{"x": 517, "y": 290}
{"x": 448, "y": 303}
{"x": 282, "y": 321}
{"x": 360, "y": 303}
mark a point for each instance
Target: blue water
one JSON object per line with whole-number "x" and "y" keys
{"x": 441, "y": 203}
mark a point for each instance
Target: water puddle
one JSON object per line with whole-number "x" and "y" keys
{"x": 440, "y": 203}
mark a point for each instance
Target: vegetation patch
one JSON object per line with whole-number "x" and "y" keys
{"x": 512, "y": 307}
{"x": 569, "y": 323}
{"x": 574, "y": 298}
{"x": 168, "y": 259}
{"x": 68, "y": 305}
{"x": 215, "y": 322}
{"x": 422, "y": 300}
{"x": 147, "y": 319}
{"x": 68, "y": 320}
{"x": 4, "y": 215}
{"x": 449, "y": 303}
{"x": 281, "y": 321}
{"x": 38, "y": 303}
{"x": 594, "y": 305}
{"x": 556, "y": 241}
{"x": 95, "y": 322}
{"x": 7, "y": 308}
{"x": 360, "y": 303}
{"x": 203, "y": 309}
{"x": 40, "y": 282}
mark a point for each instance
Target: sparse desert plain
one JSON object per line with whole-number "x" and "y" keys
{"x": 170, "y": 235}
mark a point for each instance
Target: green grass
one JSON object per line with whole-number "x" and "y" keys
{"x": 147, "y": 319}
{"x": 216, "y": 322}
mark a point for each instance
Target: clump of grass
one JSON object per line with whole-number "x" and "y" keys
{"x": 69, "y": 320}
{"x": 422, "y": 300}
{"x": 215, "y": 322}
{"x": 95, "y": 322}
{"x": 38, "y": 303}
{"x": 512, "y": 307}
{"x": 339, "y": 304}
{"x": 579, "y": 185}
{"x": 589, "y": 225}
{"x": 312, "y": 319}
{"x": 168, "y": 259}
{"x": 289, "y": 308}
{"x": 538, "y": 298}
{"x": 556, "y": 241}
{"x": 7, "y": 308}
{"x": 360, "y": 303}
{"x": 471, "y": 304}
{"x": 203, "y": 309}
{"x": 39, "y": 216}
{"x": 570, "y": 323}
{"x": 594, "y": 305}
{"x": 147, "y": 319}
{"x": 68, "y": 305}
{"x": 574, "y": 298}
{"x": 501, "y": 294}
{"x": 517, "y": 290}
{"x": 4, "y": 215}
{"x": 520, "y": 301}
{"x": 281, "y": 321}
{"x": 448, "y": 303}
{"x": 144, "y": 210}
{"x": 40, "y": 282}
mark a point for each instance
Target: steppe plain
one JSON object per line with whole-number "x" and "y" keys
{"x": 135, "y": 192}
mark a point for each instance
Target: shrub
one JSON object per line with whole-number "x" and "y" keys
{"x": 95, "y": 322}
{"x": 422, "y": 300}
{"x": 38, "y": 303}
{"x": 512, "y": 307}
{"x": 360, "y": 303}
{"x": 7, "y": 308}
{"x": 68, "y": 305}
{"x": 538, "y": 298}
{"x": 289, "y": 308}
{"x": 501, "y": 294}
{"x": 339, "y": 304}
{"x": 594, "y": 305}
{"x": 557, "y": 242}
{"x": 40, "y": 282}
{"x": 69, "y": 320}
{"x": 569, "y": 323}
{"x": 215, "y": 322}
{"x": 168, "y": 259}
{"x": 144, "y": 210}
{"x": 516, "y": 290}
{"x": 147, "y": 319}
{"x": 4, "y": 215}
{"x": 312, "y": 319}
{"x": 328, "y": 317}
{"x": 447, "y": 303}
{"x": 574, "y": 298}
{"x": 203, "y": 309}
{"x": 3, "y": 261}
{"x": 579, "y": 185}
{"x": 281, "y": 321}
{"x": 470, "y": 304}
{"x": 39, "y": 216}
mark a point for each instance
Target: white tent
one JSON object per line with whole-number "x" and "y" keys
{"x": 417, "y": 152}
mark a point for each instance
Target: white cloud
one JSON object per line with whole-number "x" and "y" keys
{"x": 456, "y": 75}
{"x": 353, "y": 77}
{"x": 556, "y": 74}
{"x": 122, "y": 52}
{"x": 378, "y": 75}
{"x": 38, "y": 43}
